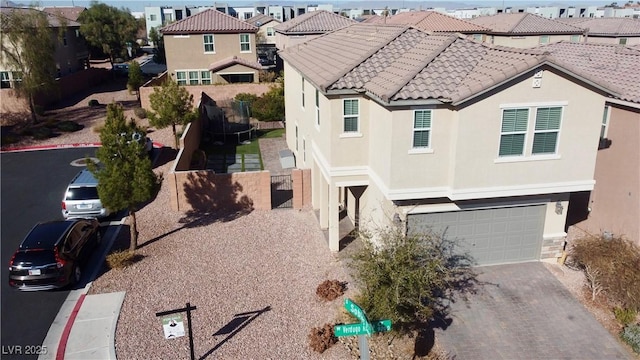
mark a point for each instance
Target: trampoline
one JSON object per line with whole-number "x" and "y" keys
{"x": 227, "y": 121}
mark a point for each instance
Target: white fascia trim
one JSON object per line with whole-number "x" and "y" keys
{"x": 352, "y": 183}
{"x": 418, "y": 193}
{"x": 554, "y": 236}
{"x": 425, "y": 209}
{"x": 622, "y": 102}
{"x": 521, "y": 190}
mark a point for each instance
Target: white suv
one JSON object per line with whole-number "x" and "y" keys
{"x": 81, "y": 198}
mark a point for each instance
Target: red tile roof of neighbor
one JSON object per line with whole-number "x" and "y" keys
{"x": 209, "y": 21}
{"x": 233, "y": 60}
{"x": 69, "y": 12}
{"x": 261, "y": 19}
{"x": 611, "y": 26}
{"x": 524, "y": 23}
{"x": 615, "y": 65}
{"x": 429, "y": 21}
{"x": 314, "y": 22}
{"x": 397, "y": 63}
{"x": 54, "y": 21}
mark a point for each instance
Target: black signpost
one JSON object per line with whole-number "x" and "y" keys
{"x": 188, "y": 309}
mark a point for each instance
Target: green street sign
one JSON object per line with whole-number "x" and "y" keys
{"x": 362, "y": 328}
{"x": 355, "y": 310}
{"x": 352, "y": 330}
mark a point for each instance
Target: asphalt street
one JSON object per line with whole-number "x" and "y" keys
{"x": 32, "y": 186}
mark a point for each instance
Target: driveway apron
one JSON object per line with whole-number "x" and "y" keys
{"x": 521, "y": 311}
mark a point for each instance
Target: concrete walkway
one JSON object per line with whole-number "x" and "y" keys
{"x": 523, "y": 312}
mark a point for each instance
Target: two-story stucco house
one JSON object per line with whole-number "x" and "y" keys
{"x": 436, "y": 131}
{"x": 613, "y": 206}
{"x": 266, "y": 38}
{"x": 608, "y": 30}
{"x": 308, "y": 26}
{"x": 525, "y": 30}
{"x": 211, "y": 47}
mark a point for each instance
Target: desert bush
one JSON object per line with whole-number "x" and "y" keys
{"x": 267, "y": 76}
{"x": 322, "y": 338}
{"x": 68, "y": 126}
{"x": 39, "y": 109}
{"x": 246, "y": 97}
{"x": 631, "y": 335}
{"x": 140, "y": 113}
{"x": 625, "y": 316}
{"x": 41, "y": 133}
{"x": 330, "y": 290}
{"x": 10, "y": 139}
{"x": 270, "y": 106}
{"x": 94, "y": 102}
{"x": 611, "y": 266}
{"x": 410, "y": 279}
{"x": 121, "y": 259}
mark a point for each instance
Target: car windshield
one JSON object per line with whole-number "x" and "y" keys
{"x": 34, "y": 257}
{"x": 82, "y": 193}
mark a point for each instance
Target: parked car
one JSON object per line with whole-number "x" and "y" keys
{"x": 53, "y": 254}
{"x": 81, "y": 198}
{"x": 120, "y": 69}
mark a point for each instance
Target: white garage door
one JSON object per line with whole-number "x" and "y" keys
{"x": 491, "y": 236}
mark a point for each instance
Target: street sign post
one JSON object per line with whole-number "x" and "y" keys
{"x": 361, "y": 329}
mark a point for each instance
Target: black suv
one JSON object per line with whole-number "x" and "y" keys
{"x": 52, "y": 255}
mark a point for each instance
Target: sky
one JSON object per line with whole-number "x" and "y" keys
{"x": 138, "y": 5}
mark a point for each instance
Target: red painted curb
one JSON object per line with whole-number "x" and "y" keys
{"x": 62, "y": 345}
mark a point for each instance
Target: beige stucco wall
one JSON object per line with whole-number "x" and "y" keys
{"x": 525, "y": 41}
{"x": 615, "y": 200}
{"x": 187, "y": 53}
{"x": 263, "y": 31}
{"x": 284, "y": 41}
{"x": 613, "y": 40}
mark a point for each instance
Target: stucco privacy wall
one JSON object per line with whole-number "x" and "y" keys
{"x": 216, "y": 92}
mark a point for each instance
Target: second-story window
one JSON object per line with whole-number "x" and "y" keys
{"x": 303, "y": 93}
{"x": 245, "y": 43}
{"x": 270, "y": 31}
{"x": 317, "y": 107}
{"x": 544, "y": 39}
{"x": 422, "y": 129}
{"x": 350, "y": 113}
{"x": 513, "y": 132}
{"x": 575, "y": 38}
{"x": 209, "y": 45}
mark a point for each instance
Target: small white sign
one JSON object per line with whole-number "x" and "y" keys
{"x": 173, "y": 326}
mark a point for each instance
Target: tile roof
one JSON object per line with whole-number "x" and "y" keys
{"x": 524, "y": 23}
{"x": 208, "y": 21}
{"x": 611, "y": 26}
{"x": 54, "y": 21}
{"x": 429, "y": 21}
{"x": 396, "y": 64}
{"x": 234, "y": 60}
{"x": 69, "y": 12}
{"x": 314, "y": 22}
{"x": 261, "y": 19}
{"x": 615, "y": 65}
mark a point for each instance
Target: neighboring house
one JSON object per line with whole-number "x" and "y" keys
{"x": 525, "y": 30}
{"x": 431, "y": 21}
{"x": 484, "y": 144}
{"x": 71, "y": 54}
{"x": 613, "y": 206}
{"x": 308, "y": 26}
{"x": 266, "y": 38}
{"x": 211, "y": 47}
{"x": 611, "y": 30}
{"x": 67, "y": 12}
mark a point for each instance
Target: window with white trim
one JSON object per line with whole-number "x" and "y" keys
{"x": 317, "y": 107}
{"x": 421, "y": 129}
{"x": 245, "y": 43}
{"x": 205, "y": 76}
{"x": 209, "y": 45}
{"x": 575, "y": 38}
{"x": 515, "y": 132}
{"x": 544, "y": 39}
{"x": 181, "y": 77}
{"x": 622, "y": 41}
{"x": 605, "y": 123}
{"x": 5, "y": 81}
{"x": 350, "y": 114}
{"x": 193, "y": 77}
{"x": 271, "y": 31}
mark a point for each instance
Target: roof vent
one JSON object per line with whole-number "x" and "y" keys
{"x": 258, "y": 23}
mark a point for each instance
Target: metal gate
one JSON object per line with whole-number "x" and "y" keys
{"x": 281, "y": 192}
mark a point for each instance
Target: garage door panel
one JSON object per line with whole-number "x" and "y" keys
{"x": 491, "y": 236}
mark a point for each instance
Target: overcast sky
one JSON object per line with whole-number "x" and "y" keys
{"x": 138, "y": 5}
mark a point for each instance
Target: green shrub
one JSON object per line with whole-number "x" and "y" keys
{"x": 94, "y": 102}
{"x": 625, "y": 316}
{"x": 611, "y": 266}
{"x": 69, "y": 126}
{"x": 410, "y": 279}
{"x": 631, "y": 335}
{"x": 140, "y": 113}
{"x": 42, "y": 133}
{"x": 246, "y": 97}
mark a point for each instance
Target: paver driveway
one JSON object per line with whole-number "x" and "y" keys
{"x": 523, "y": 312}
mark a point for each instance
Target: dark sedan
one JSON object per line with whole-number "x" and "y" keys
{"x": 53, "y": 254}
